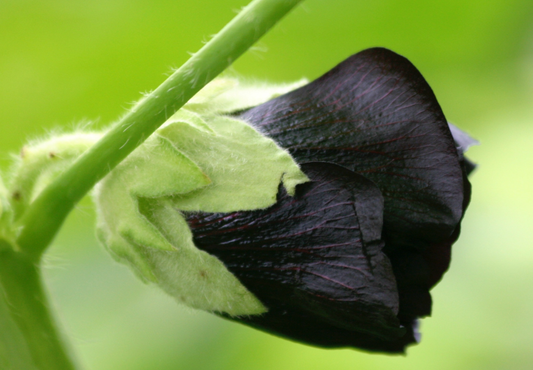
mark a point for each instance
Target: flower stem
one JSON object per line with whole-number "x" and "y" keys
{"x": 33, "y": 338}
{"x": 28, "y": 334}
{"x": 46, "y": 214}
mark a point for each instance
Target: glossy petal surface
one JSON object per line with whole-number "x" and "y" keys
{"x": 315, "y": 260}
{"x": 376, "y": 115}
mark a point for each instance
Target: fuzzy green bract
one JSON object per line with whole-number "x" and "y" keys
{"x": 41, "y": 161}
{"x": 199, "y": 160}
{"x": 37, "y": 166}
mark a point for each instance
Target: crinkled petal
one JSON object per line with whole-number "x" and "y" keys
{"x": 315, "y": 260}
{"x": 376, "y": 115}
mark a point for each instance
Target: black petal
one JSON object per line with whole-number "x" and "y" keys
{"x": 315, "y": 260}
{"x": 376, "y": 115}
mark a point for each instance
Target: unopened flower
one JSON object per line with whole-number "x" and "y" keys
{"x": 320, "y": 212}
{"x": 349, "y": 259}
{"x": 323, "y": 213}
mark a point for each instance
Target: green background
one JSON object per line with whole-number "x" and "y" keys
{"x": 66, "y": 63}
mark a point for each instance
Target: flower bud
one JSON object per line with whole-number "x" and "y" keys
{"x": 323, "y": 214}
{"x": 322, "y": 282}
{"x": 41, "y": 161}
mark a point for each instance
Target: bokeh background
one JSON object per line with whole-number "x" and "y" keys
{"x": 63, "y": 62}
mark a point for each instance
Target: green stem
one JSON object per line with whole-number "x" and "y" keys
{"x": 46, "y": 214}
{"x": 28, "y": 334}
{"x": 23, "y": 297}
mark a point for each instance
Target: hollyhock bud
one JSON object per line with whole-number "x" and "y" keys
{"x": 323, "y": 213}
{"x": 350, "y": 259}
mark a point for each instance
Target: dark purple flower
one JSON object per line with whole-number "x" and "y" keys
{"x": 350, "y": 259}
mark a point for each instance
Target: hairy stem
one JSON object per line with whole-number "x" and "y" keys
{"x": 34, "y": 342}
{"x": 46, "y": 214}
{"x": 29, "y": 338}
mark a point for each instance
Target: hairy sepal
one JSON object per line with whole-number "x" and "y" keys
{"x": 195, "y": 162}
{"x": 40, "y": 162}
{"x": 229, "y": 95}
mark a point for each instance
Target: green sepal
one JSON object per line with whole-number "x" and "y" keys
{"x": 245, "y": 166}
{"x": 155, "y": 169}
{"x": 195, "y": 162}
{"x": 37, "y": 165}
{"x": 40, "y": 162}
{"x": 199, "y": 160}
{"x": 228, "y": 95}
